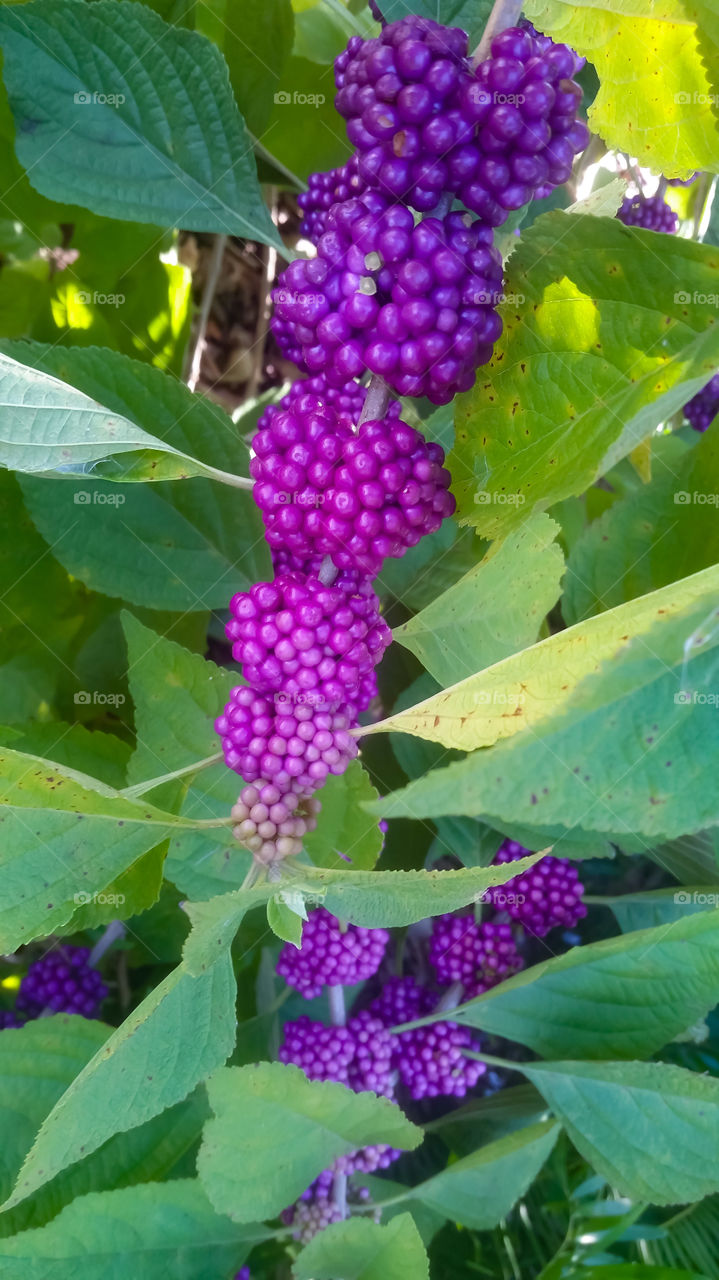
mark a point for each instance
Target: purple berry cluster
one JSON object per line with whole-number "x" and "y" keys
{"x": 425, "y": 121}
{"x": 477, "y": 956}
{"x": 413, "y": 303}
{"x": 703, "y": 408}
{"x": 432, "y": 1062}
{"x": 651, "y": 212}
{"x": 546, "y": 896}
{"x": 359, "y": 497}
{"x": 331, "y": 954}
{"x": 62, "y": 981}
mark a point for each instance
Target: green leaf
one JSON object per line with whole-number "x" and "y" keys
{"x": 540, "y": 681}
{"x": 619, "y": 998}
{"x": 180, "y": 1033}
{"x": 665, "y": 531}
{"x": 494, "y": 610}
{"x": 72, "y": 746}
{"x": 75, "y": 411}
{"x": 64, "y": 836}
{"x": 607, "y": 336}
{"x": 345, "y": 833}
{"x": 649, "y": 714}
{"x": 37, "y": 1063}
{"x": 691, "y": 1240}
{"x": 133, "y": 118}
{"x": 468, "y": 14}
{"x": 650, "y": 1129}
{"x": 304, "y": 132}
{"x": 363, "y": 1250}
{"x": 148, "y": 1232}
{"x": 480, "y": 1189}
{"x": 372, "y": 899}
{"x": 633, "y": 1271}
{"x": 660, "y": 906}
{"x": 149, "y": 544}
{"x": 274, "y": 1131}
{"x": 285, "y": 915}
{"x": 656, "y": 95}
{"x": 256, "y": 40}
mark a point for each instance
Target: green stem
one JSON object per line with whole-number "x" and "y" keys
{"x": 140, "y": 788}
{"x": 490, "y": 1059}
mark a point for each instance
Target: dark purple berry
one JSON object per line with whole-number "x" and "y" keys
{"x": 703, "y": 408}
{"x": 476, "y": 955}
{"x": 62, "y": 981}
{"x": 547, "y": 895}
{"x": 331, "y": 955}
{"x": 651, "y": 212}
{"x": 431, "y": 1061}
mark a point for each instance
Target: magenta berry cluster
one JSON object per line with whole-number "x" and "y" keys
{"x": 703, "y": 408}
{"x": 62, "y": 981}
{"x": 651, "y": 212}
{"x": 546, "y": 896}
{"x": 359, "y": 497}
{"x": 412, "y": 302}
{"x": 324, "y": 190}
{"x": 476, "y": 955}
{"x": 432, "y": 1062}
{"x": 425, "y": 121}
{"x": 331, "y": 954}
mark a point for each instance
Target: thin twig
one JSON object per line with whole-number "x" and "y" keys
{"x": 338, "y": 1017}
{"x": 208, "y": 293}
{"x": 114, "y": 931}
{"x": 505, "y": 13}
{"x": 269, "y": 268}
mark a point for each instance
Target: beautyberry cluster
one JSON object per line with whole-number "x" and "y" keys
{"x": 476, "y": 955}
{"x": 703, "y": 408}
{"x": 414, "y": 303}
{"x": 331, "y": 954}
{"x": 61, "y": 981}
{"x": 358, "y": 497}
{"x": 425, "y": 121}
{"x": 549, "y": 894}
{"x": 651, "y": 212}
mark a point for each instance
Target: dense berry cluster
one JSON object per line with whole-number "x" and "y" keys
{"x": 357, "y": 497}
{"x": 324, "y": 190}
{"x": 650, "y": 212}
{"x": 331, "y": 954}
{"x": 424, "y": 121}
{"x": 432, "y": 1062}
{"x": 412, "y": 302}
{"x": 703, "y": 408}
{"x": 10, "y": 1019}
{"x": 547, "y": 895}
{"x": 476, "y": 955}
{"x": 62, "y": 982}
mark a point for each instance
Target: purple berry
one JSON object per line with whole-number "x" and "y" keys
{"x": 272, "y": 825}
{"x": 243, "y": 1274}
{"x": 331, "y": 955}
{"x": 10, "y": 1019}
{"x": 307, "y": 1217}
{"x": 431, "y": 1061}
{"x": 703, "y": 408}
{"x": 371, "y": 1068}
{"x": 358, "y": 498}
{"x": 402, "y": 1000}
{"x": 412, "y": 303}
{"x": 62, "y": 981}
{"x": 650, "y": 212}
{"x": 324, "y": 190}
{"x": 323, "y": 1053}
{"x": 476, "y": 955}
{"x": 315, "y": 644}
{"x": 547, "y": 895}
{"x": 287, "y": 746}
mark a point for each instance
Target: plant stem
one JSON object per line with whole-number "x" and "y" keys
{"x": 114, "y": 931}
{"x": 208, "y": 293}
{"x": 505, "y": 13}
{"x": 490, "y": 1059}
{"x": 338, "y": 1018}
{"x": 140, "y": 788}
